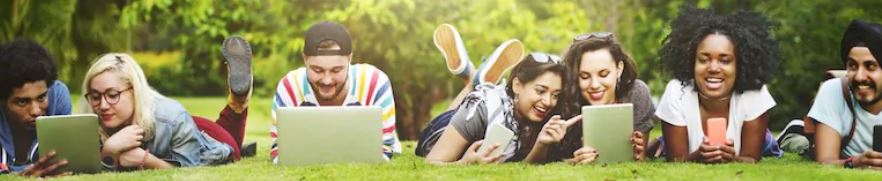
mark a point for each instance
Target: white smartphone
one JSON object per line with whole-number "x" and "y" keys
{"x": 496, "y": 134}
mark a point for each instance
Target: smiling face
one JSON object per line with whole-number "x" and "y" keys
{"x": 327, "y": 76}
{"x": 536, "y": 98}
{"x": 865, "y": 75}
{"x": 113, "y": 115}
{"x": 715, "y": 67}
{"x": 598, "y": 75}
{"x": 26, "y": 103}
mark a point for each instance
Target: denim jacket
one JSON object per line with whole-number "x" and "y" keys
{"x": 177, "y": 140}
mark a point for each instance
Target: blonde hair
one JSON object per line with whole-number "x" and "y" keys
{"x": 131, "y": 73}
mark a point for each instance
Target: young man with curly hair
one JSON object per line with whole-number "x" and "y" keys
{"x": 28, "y": 89}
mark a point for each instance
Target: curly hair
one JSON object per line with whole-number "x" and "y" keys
{"x": 756, "y": 51}
{"x": 24, "y": 61}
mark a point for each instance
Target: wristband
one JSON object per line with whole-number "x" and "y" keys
{"x": 849, "y": 162}
{"x": 144, "y": 160}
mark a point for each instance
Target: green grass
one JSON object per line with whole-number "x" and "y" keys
{"x": 407, "y": 166}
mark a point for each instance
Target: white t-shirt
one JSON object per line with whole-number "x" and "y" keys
{"x": 830, "y": 109}
{"x": 679, "y": 107}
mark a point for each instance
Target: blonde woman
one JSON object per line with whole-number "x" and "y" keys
{"x": 142, "y": 129}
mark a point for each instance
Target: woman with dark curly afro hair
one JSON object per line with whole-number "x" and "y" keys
{"x": 720, "y": 65}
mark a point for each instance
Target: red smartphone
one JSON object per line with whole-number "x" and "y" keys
{"x": 716, "y": 131}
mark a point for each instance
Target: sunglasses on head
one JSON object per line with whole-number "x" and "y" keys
{"x": 598, "y": 35}
{"x": 545, "y": 58}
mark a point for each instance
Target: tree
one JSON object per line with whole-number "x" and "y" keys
{"x": 74, "y": 32}
{"x": 396, "y": 36}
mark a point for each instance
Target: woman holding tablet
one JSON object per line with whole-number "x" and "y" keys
{"x": 600, "y": 73}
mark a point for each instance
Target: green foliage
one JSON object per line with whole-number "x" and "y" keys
{"x": 395, "y": 35}
{"x": 809, "y": 46}
{"x": 75, "y": 32}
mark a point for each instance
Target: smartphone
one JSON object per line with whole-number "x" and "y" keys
{"x": 497, "y": 134}
{"x": 716, "y": 131}
{"x": 877, "y": 138}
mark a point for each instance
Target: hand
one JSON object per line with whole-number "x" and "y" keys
{"x": 638, "y": 145}
{"x": 584, "y": 155}
{"x": 132, "y": 158}
{"x": 716, "y": 153}
{"x": 868, "y": 159}
{"x": 45, "y": 167}
{"x": 555, "y": 129}
{"x": 124, "y": 140}
{"x": 472, "y": 156}
{"x": 728, "y": 150}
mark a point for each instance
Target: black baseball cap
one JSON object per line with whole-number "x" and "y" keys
{"x": 327, "y": 31}
{"x": 870, "y": 34}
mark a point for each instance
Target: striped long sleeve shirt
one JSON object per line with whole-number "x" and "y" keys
{"x": 369, "y": 86}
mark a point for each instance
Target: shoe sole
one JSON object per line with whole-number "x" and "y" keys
{"x": 507, "y": 55}
{"x": 237, "y": 53}
{"x": 445, "y": 40}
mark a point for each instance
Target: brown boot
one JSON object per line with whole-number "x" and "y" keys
{"x": 237, "y": 53}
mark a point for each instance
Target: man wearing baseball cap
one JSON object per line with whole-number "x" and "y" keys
{"x": 329, "y": 78}
{"x": 847, "y": 109}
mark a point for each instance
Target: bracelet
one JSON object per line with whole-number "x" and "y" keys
{"x": 144, "y": 160}
{"x": 849, "y": 162}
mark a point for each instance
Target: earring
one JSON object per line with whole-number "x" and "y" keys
{"x": 619, "y": 81}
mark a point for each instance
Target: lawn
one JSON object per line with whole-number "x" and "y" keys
{"x": 407, "y": 166}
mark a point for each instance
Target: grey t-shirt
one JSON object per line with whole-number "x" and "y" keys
{"x": 640, "y": 97}
{"x": 474, "y": 115}
{"x": 472, "y": 128}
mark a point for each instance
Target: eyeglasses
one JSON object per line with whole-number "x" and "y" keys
{"x": 599, "y": 35}
{"x": 111, "y": 96}
{"x": 545, "y": 58}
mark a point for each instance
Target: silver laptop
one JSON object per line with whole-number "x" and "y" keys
{"x": 608, "y": 129}
{"x": 73, "y": 137}
{"x": 324, "y": 135}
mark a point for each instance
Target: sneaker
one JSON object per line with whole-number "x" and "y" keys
{"x": 792, "y": 138}
{"x": 504, "y": 57}
{"x": 794, "y": 143}
{"x": 794, "y": 126}
{"x": 237, "y": 53}
{"x": 448, "y": 41}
